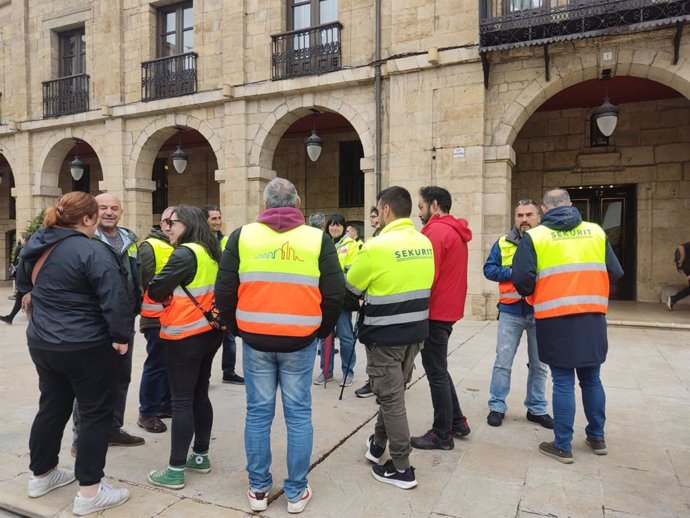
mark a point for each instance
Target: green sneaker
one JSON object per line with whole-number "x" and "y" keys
{"x": 171, "y": 477}
{"x": 198, "y": 462}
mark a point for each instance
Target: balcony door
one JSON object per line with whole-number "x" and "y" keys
{"x": 614, "y": 208}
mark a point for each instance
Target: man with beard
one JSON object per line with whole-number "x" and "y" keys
{"x": 515, "y": 316}
{"x": 449, "y": 237}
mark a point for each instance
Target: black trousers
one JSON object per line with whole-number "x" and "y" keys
{"x": 444, "y": 399}
{"x": 90, "y": 376}
{"x": 189, "y": 370}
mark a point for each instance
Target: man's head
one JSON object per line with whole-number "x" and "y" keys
{"x": 109, "y": 212}
{"x": 166, "y": 215}
{"x": 433, "y": 201}
{"x": 556, "y": 198}
{"x": 352, "y": 231}
{"x": 374, "y": 218}
{"x": 526, "y": 215}
{"x": 393, "y": 203}
{"x": 213, "y": 216}
{"x": 281, "y": 193}
{"x": 317, "y": 220}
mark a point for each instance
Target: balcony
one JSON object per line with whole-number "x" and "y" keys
{"x": 307, "y": 52}
{"x": 169, "y": 77}
{"x": 65, "y": 95}
{"x": 517, "y": 23}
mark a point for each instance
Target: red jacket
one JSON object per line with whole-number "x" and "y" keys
{"x": 449, "y": 237}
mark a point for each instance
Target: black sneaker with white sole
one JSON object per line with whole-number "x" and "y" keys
{"x": 374, "y": 451}
{"x": 388, "y": 474}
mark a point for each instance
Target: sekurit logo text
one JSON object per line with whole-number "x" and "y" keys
{"x": 408, "y": 254}
{"x": 284, "y": 253}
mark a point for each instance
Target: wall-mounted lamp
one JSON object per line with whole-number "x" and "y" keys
{"x": 76, "y": 166}
{"x": 606, "y": 115}
{"x": 313, "y": 141}
{"x": 179, "y": 158}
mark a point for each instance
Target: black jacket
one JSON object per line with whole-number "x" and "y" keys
{"x": 79, "y": 300}
{"x": 575, "y": 340}
{"x": 331, "y": 286}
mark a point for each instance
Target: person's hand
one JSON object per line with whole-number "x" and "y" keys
{"x": 121, "y": 348}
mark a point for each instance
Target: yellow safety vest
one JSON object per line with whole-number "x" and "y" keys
{"x": 279, "y": 281}
{"x": 395, "y": 272}
{"x": 182, "y": 319}
{"x": 571, "y": 271}
{"x": 162, "y": 250}
{"x": 347, "y": 249}
{"x": 506, "y": 289}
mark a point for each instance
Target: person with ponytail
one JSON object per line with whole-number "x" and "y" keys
{"x": 185, "y": 286}
{"x": 76, "y": 338}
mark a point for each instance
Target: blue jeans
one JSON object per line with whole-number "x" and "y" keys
{"x": 510, "y": 328}
{"x": 593, "y": 399}
{"x": 154, "y": 390}
{"x": 229, "y": 355}
{"x": 264, "y": 372}
{"x": 346, "y": 335}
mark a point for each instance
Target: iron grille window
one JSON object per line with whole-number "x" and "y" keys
{"x": 351, "y": 177}
{"x": 175, "y": 29}
{"x": 160, "y": 176}
{"x": 84, "y": 183}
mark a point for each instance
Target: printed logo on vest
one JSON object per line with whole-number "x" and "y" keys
{"x": 284, "y": 253}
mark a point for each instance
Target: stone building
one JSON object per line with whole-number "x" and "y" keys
{"x": 493, "y": 100}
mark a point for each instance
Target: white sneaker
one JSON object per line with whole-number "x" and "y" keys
{"x": 106, "y": 497}
{"x": 258, "y": 501}
{"x": 39, "y": 486}
{"x": 299, "y": 505}
{"x": 348, "y": 380}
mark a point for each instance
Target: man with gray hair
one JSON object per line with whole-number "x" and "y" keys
{"x": 566, "y": 264}
{"x": 318, "y": 220}
{"x": 280, "y": 288}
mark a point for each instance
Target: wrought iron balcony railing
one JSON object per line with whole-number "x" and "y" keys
{"x": 516, "y": 23}
{"x": 66, "y": 95}
{"x": 307, "y": 52}
{"x": 169, "y": 77}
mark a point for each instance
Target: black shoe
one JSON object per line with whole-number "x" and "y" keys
{"x": 6, "y": 320}
{"x": 543, "y": 419}
{"x": 388, "y": 474}
{"x": 233, "y": 379}
{"x": 431, "y": 441}
{"x": 151, "y": 424}
{"x": 549, "y": 449}
{"x": 365, "y": 391}
{"x": 495, "y": 418}
{"x": 122, "y": 438}
{"x": 460, "y": 429}
{"x": 374, "y": 451}
{"x": 598, "y": 445}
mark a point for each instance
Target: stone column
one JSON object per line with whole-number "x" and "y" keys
{"x": 257, "y": 179}
{"x": 497, "y": 214}
{"x": 366, "y": 164}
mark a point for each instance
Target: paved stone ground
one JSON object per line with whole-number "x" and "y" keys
{"x": 496, "y": 472}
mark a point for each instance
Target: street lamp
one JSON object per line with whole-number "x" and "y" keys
{"x": 179, "y": 158}
{"x": 76, "y": 166}
{"x": 313, "y": 141}
{"x": 606, "y": 117}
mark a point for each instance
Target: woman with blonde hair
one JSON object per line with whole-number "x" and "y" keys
{"x": 77, "y": 307}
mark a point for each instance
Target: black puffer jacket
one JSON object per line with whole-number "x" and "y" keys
{"x": 79, "y": 300}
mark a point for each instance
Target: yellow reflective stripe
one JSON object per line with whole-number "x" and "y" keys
{"x": 571, "y": 301}
{"x": 402, "y": 318}
{"x": 397, "y": 297}
{"x": 573, "y": 267}
{"x": 179, "y": 330}
{"x": 277, "y": 318}
{"x": 288, "y": 278}
{"x": 197, "y": 292}
{"x": 152, "y": 307}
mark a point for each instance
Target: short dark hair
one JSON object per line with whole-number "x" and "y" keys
{"x": 208, "y": 208}
{"x": 338, "y": 219}
{"x": 398, "y": 199}
{"x": 374, "y": 210}
{"x": 442, "y": 197}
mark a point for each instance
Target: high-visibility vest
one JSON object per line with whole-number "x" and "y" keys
{"x": 347, "y": 249}
{"x": 571, "y": 271}
{"x": 182, "y": 319}
{"x": 506, "y": 289}
{"x": 279, "y": 281}
{"x": 162, "y": 250}
{"x": 395, "y": 272}
{"x": 223, "y": 242}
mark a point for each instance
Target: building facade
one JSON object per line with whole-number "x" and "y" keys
{"x": 492, "y": 100}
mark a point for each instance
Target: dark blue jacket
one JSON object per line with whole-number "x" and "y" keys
{"x": 575, "y": 340}
{"x": 79, "y": 299}
{"x": 494, "y": 271}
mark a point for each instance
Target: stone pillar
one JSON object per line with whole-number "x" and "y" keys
{"x": 257, "y": 179}
{"x": 366, "y": 164}
{"x": 137, "y": 206}
{"x": 497, "y": 214}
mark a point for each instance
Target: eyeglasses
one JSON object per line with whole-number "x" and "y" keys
{"x": 169, "y": 221}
